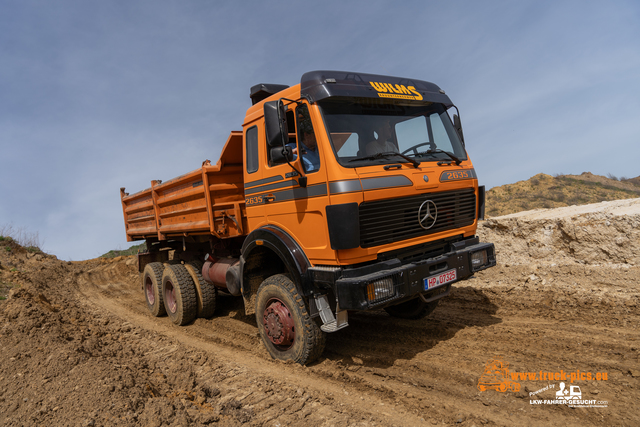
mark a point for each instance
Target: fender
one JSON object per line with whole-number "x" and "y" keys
{"x": 286, "y": 248}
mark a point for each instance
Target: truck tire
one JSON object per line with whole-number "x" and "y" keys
{"x": 179, "y": 294}
{"x": 152, "y": 287}
{"x": 206, "y": 294}
{"x": 285, "y": 326}
{"x": 414, "y": 309}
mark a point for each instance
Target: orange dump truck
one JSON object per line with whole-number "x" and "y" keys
{"x": 344, "y": 193}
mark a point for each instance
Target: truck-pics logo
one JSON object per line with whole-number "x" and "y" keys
{"x": 496, "y": 377}
{"x": 388, "y": 90}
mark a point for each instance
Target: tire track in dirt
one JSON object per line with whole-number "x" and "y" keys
{"x": 418, "y": 370}
{"x": 232, "y": 338}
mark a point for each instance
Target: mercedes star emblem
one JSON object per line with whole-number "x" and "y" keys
{"x": 427, "y": 214}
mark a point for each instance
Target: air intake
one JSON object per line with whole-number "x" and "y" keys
{"x": 262, "y": 91}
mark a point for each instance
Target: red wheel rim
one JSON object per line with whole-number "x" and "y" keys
{"x": 149, "y": 289}
{"x": 170, "y": 297}
{"x": 278, "y": 324}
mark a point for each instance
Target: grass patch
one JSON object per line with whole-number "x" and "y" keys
{"x": 133, "y": 250}
{"x": 19, "y": 238}
{"x": 561, "y": 190}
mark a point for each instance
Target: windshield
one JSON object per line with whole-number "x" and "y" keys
{"x": 361, "y": 131}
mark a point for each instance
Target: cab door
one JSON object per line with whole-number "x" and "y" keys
{"x": 298, "y": 210}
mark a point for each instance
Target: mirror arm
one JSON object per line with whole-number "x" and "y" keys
{"x": 298, "y": 103}
{"x": 302, "y": 180}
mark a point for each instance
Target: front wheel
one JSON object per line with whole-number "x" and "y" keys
{"x": 414, "y": 309}
{"x": 285, "y": 326}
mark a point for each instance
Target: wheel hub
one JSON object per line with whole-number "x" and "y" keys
{"x": 149, "y": 288}
{"x": 278, "y": 323}
{"x": 170, "y": 297}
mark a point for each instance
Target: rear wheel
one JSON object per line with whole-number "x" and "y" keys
{"x": 285, "y": 326}
{"x": 206, "y": 293}
{"x": 152, "y": 287}
{"x": 179, "y": 294}
{"x": 414, "y": 309}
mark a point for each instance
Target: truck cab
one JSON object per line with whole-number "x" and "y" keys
{"x": 368, "y": 178}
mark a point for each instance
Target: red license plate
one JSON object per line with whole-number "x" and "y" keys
{"x": 440, "y": 279}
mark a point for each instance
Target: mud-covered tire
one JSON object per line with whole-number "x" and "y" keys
{"x": 152, "y": 288}
{"x": 206, "y": 294}
{"x": 414, "y": 309}
{"x": 179, "y": 294}
{"x": 278, "y": 302}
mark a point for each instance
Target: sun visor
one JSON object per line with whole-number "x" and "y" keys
{"x": 318, "y": 85}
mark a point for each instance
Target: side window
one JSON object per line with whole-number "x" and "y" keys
{"x": 307, "y": 144}
{"x": 252, "y": 149}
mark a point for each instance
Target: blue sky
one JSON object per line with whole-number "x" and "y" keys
{"x": 98, "y": 95}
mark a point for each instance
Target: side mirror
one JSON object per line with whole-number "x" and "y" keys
{"x": 281, "y": 155}
{"x": 458, "y": 126}
{"x": 275, "y": 123}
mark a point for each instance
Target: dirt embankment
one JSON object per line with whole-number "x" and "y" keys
{"x": 597, "y": 234}
{"x": 77, "y": 346}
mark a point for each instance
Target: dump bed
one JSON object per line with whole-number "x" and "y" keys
{"x": 206, "y": 201}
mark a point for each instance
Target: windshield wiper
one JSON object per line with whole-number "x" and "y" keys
{"x": 437, "y": 150}
{"x": 384, "y": 154}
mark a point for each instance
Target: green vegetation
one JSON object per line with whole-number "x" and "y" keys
{"x": 19, "y": 239}
{"x": 545, "y": 191}
{"x": 133, "y": 250}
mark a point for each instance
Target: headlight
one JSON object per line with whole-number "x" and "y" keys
{"x": 478, "y": 259}
{"x": 380, "y": 289}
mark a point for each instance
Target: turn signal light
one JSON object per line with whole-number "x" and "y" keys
{"x": 380, "y": 289}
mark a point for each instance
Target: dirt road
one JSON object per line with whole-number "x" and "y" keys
{"x": 78, "y": 347}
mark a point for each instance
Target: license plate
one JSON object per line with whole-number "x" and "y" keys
{"x": 440, "y": 279}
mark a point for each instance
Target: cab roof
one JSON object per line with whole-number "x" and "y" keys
{"x": 318, "y": 85}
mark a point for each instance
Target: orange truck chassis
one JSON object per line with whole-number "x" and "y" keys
{"x": 344, "y": 193}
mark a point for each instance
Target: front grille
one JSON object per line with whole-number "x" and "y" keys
{"x": 393, "y": 220}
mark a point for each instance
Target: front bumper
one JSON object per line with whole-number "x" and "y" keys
{"x": 391, "y": 282}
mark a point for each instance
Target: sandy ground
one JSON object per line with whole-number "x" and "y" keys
{"x": 78, "y": 347}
